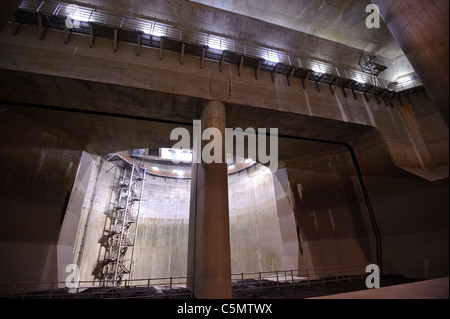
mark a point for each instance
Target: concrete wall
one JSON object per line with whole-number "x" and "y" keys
{"x": 258, "y": 237}
{"x": 256, "y": 230}
{"x": 286, "y": 219}
{"x": 412, "y": 213}
{"x": 94, "y": 217}
{"x": 67, "y": 241}
{"x": 37, "y": 169}
{"x": 162, "y": 242}
{"x": 413, "y": 218}
{"x": 38, "y": 160}
{"x": 333, "y": 221}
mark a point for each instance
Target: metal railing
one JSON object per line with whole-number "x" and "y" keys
{"x": 214, "y": 42}
{"x": 150, "y": 288}
{"x": 175, "y": 287}
{"x": 298, "y": 277}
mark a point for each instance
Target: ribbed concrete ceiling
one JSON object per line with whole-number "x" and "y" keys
{"x": 340, "y": 21}
{"x": 290, "y": 25}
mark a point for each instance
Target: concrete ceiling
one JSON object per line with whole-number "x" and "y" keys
{"x": 339, "y": 21}
{"x": 331, "y": 31}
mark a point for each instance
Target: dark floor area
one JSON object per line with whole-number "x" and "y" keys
{"x": 252, "y": 289}
{"x": 249, "y": 289}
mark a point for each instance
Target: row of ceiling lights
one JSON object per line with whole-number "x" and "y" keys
{"x": 85, "y": 14}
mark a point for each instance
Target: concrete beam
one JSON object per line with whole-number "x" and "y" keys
{"x": 241, "y": 65}
{"x": 41, "y": 29}
{"x": 202, "y": 59}
{"x": 91, "y": 35}
{"x": 72, "y": 83}
{"x": 115, "y": 41}
{"x": 258, "y": 68}
{"x": 183, "y": 46}
{"x": 290, "y": 76}
{"x": 138, "y": 46}
{"x": 222, "y": 60}
{"x": 274, "y": 73}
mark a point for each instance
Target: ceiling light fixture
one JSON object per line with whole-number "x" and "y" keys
{"x": 273, "y": 57}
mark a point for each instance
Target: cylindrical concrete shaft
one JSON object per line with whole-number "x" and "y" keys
{"x": 209, "y": 258}
{"x": 421, "y": 29}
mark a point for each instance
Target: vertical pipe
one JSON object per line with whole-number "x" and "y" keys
{"x": 241, "y": 64}
{"x": 66, "y": 33}
{"x": 183, "y": 46}
{"x": 148, "y": 287}
{"x": 138, "y": 48}
{"x": 202, "y": 59}
{"x": 368, "y": 206}
{"x": 124, "y": 290}
{"x": 91, "y": 35}
{"x": 115, "y": 41}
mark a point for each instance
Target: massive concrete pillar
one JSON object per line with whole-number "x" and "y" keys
{"x": 421, "y": 29}
{"x": 209, "y": 259}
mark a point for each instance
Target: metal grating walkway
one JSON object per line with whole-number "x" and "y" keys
{"x": 96, "y": 23}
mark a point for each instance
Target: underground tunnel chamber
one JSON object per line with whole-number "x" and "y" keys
{"x": 310, "y": 213}
{"x": 296, "y": 218}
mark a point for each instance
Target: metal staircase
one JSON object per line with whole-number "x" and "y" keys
{"x": 120, "y": 231}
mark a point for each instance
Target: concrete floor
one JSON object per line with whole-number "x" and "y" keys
{"x": 428, "y": 289}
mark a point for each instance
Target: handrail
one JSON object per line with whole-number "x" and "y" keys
{"x": 213, "y": 41}
{"x": 174, "y": 286}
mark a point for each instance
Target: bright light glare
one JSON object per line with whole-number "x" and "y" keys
{"x": 231, "y": 167}
{"x": 404, "y": 78}
{"x": 77, "y": 14}
{"x": 147, "y": 30}
{"x": 359, "y": 78}
{"x": 273, "y": 57}
{"x": 215, "y": 43}
{"x": 316, "y": 68}
{"x": 70, "y": 9}
{"x": 158, "y": 30}
{"x": 80, "y": 17}
{"x": 155, "y": 168}
{"x": 178, "y": 172}
{"x": 177, "y": 155}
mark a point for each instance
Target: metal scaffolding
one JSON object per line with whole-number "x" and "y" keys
{"x": 120, "y": 232}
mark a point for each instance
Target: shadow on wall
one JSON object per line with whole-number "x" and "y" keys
{"x": 332, "y": 220}
{"x": 37, "y": 166}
